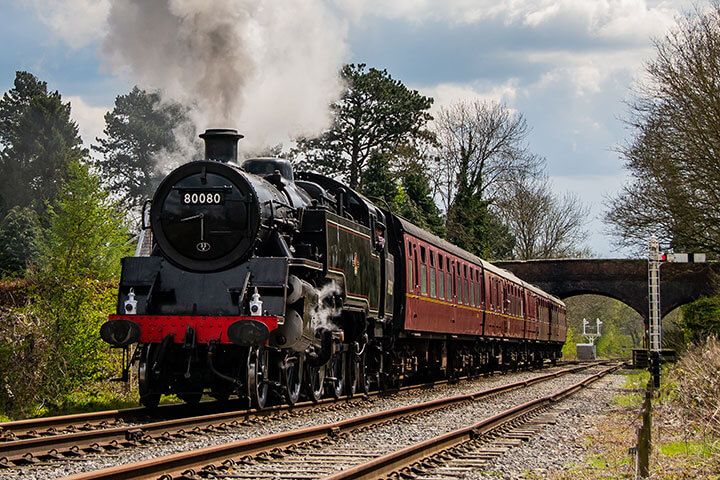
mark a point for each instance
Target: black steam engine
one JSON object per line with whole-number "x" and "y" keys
{"x": 258, "y": 283}
{"x": 272, "y": 286}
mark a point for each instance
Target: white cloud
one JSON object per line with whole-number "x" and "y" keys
{"x": 77, "y": 22}
{"x": 622, "y": 19}
{"x": 90, "y": 119}
{"x": 448, "y": 93}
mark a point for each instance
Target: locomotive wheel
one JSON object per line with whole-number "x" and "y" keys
{"x": 146, "y": 383}
{"x": 291, "y": 369}
{"x": 257, "y": 370}
{"x": 314, "y": 382}
{"x": 337, "y": 368}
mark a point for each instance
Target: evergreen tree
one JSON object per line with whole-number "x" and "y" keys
{"x": 140, "y": 139}
{"x": 405, "y": 190}
{"x": 472, "y": 225}
{"x": 376, "y": 115}
{"x": 86, "y": 236}
{"x": 419, "y": 205}
{"x": 19, "y": 238}
{"x": 38, "y": 140}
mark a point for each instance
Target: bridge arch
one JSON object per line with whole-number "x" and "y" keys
{"x": 622, "y": 279}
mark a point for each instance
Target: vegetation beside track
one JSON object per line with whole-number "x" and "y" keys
{"x": 686, "y": 429}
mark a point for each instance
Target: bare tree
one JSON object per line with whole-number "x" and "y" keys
{"x": 674, "y": 189}
{"x": 480, "y": 145}
{"x": 545, "y": 225}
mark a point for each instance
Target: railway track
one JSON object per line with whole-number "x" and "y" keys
{"x": 455, "y": 454}
{"x": 223, "y": 460}
{"x": 58, "y": 425}
{"x": 27, "y": 442}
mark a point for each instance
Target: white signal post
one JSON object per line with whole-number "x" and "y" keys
{"x": 655, "y": 332}
{"x": 655, "y": 259}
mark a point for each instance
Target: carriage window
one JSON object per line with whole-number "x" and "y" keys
{"x": 432, "y": 274}
{"x": 423, "y": 279}
{"x": 441, "y": 262}
{"x": 411, "y": 280}
{"x": 472, "y": 291}
{"x": 466, "y": 298}
{"x": 454, "y": 283}
{"x": 422, "y": 254}
{"x": 416, "y": 282}
{"x": 459, "y": 286}
{"x": 448, "y": 285}
{"x": 440, "y": 283}
{"x": 470, "y": 298}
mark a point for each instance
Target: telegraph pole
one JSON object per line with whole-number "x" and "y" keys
{"x": 655, "y": 331}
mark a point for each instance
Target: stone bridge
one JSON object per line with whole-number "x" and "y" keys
{"x": 624, "y": 280}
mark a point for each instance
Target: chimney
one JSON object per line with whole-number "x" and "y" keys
{"x": 221, "y": 144}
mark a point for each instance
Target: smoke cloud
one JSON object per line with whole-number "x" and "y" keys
{"x": 328, "y": 308}
{"x": 268, "y": 68}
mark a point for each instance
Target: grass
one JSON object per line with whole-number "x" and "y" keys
{"x": 681, "y": 449}
{"x": 688, "y": 448}
{"x": 628, "y": 400}
{"x": 92, "y": 401}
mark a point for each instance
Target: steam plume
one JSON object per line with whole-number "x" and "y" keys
{"x": 328, "y": 308}
{"x": 269, "y": 68}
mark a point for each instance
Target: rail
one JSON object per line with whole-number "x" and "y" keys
{"x": 193, "y": 460}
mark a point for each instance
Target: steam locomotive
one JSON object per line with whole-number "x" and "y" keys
{"x": 275, "y": 286}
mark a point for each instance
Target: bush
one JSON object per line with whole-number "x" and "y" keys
{"x": 701, "y": 318}
{"x": 697, "y": 387}
{"x": 50, "y": 348}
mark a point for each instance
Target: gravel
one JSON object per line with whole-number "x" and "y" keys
{"x": 448, "y": 420}
{"x": 561, "y": 444}
{"x": 380, "y": 439}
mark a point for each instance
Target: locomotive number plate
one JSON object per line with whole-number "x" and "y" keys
{"x": 202, "y": 198}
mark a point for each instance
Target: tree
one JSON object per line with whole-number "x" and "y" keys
{"x": 672, "y": 156}
{"x": 544, "y": 224}
{"x": 38, "y": 140}
{"x": 415, "y": 199}
{"x": 142, "y": 135}
{"x": 20, "y": 235}
{"x": 375, "y": 115}
{"x": 404, "y": 189}
{"x": 481, "y": 146}
{"x": 472, "y": 225}
{"x": 86, "y": 236}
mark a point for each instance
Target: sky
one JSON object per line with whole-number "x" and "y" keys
{"x": 568, "y": 66}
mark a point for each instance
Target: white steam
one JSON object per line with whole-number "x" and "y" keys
{"x": 267, "y": 68}
{"x": 327, "y": 308}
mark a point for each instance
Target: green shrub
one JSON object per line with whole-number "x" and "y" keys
{"x": 701, "y": 318}
{"x": 50, "y": 348}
